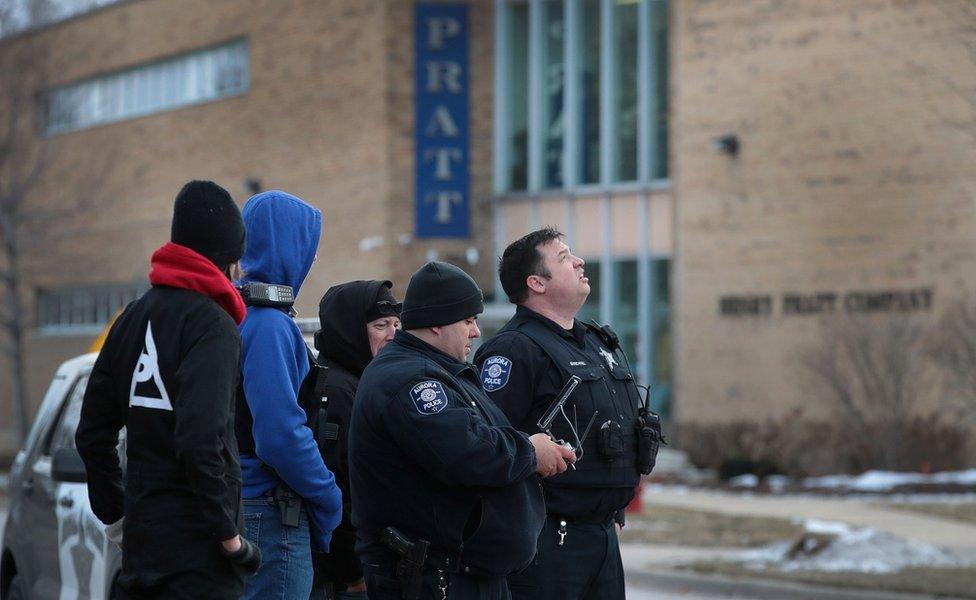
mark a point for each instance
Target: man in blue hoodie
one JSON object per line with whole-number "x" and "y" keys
{"x": 291, "y": 501}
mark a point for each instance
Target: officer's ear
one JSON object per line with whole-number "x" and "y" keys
{"x": 536, "y": 283}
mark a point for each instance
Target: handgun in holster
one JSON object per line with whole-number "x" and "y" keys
{"x": 290, "y": 505}
{"x": 410, "y": 567}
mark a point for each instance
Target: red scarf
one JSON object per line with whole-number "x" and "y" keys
{"x": 180, "y": 267}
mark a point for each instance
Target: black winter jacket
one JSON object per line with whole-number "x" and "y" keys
{"x": 167, "y": 373}
{"x": 344, "y": 349}
{"x": 432, "y": 456}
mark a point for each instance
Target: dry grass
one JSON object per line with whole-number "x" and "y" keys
{"x": 959, "y": 582}
{"x": 684, "y": 527}
{"x": 965, "y": 512}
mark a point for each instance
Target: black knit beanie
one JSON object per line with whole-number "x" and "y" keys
{"x": 440, "y": 294}
{"x": 205, "y": 219}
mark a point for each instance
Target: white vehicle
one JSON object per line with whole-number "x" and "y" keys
{"x": 53, "y": 545}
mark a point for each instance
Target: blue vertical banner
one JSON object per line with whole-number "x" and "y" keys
{"x": 441, "y": 128}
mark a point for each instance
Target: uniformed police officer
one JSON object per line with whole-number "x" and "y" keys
{"x": 432, "y": 460}
{"x": 523, "y": 368}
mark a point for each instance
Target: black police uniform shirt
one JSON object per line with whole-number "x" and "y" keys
{"x": 431, "y": 456}
{"x": 167, "y": 372}
{"x": 524, "y": 367}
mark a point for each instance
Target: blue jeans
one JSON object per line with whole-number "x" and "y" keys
{"x": 286, "y": 553}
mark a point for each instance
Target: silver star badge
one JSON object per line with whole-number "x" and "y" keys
{"x": 608, "y": 358}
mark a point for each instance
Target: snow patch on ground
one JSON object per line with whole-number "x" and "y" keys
{"x": 826, "y": 527}
{"x": 857, "y": 549}
{"x": 882, "y": 481}
{"x": 746, "y": 481}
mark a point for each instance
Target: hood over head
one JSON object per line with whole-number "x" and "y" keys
{"x": 343, "y": 314}
{"x": 282, "y": 238}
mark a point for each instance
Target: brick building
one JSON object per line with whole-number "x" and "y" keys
{"x": 750, "y": 164}
{"x": 852, "y": 193}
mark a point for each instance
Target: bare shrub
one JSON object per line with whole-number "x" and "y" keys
{"x": 873, "y": 385}
{"x": 951, "y": 347}
{"x": 871, "y": 376}
{"x": 800, "y": 446}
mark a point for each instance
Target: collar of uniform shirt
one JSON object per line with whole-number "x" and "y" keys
{"x": 448, "y": 363}
{"x": 576, "y": 334}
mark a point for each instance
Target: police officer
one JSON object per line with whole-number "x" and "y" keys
{"x": 432, "y": 460}
{"x": 357, "y": 319}
{"x": 168, "y": 373}
{"x": 522, "y": 369}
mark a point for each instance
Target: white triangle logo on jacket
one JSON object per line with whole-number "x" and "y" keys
{"x": 151, "y": 391}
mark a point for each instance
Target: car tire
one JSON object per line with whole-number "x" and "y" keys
{"x": 17, "y": 589}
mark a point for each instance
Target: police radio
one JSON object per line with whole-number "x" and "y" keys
{"x": 650, "y": 435}
{"x": 255, "y": 293}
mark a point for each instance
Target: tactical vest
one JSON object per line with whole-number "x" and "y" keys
{"x": 311, "y": 398}
{"x": 610, "y": 448}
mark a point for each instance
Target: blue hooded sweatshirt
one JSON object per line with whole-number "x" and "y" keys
{"x": 282, "y": 238}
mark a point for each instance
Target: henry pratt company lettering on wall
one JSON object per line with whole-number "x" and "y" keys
{"x": 441, "y": 120}
{"x": 824, "y": 303}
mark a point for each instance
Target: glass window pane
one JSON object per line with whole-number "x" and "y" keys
{"x": 64, "y": 431}
{"x": 591, "y": 308}
{"x": 659, "y": 43}
{"x": 625, "y": 50}
{"x": 661, "y": 324}
{"x": 518, "y": 96}
{"x": 553, "y": 114}
{"x": 625, "y": 307}
{"x": 590, "y": 93}
{"x": 204, "y": 75}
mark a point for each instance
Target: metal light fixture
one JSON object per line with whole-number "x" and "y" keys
{"x": 727, "y": 144}
{"x": 252, "y": 185}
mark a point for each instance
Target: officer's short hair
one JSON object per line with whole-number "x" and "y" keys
{"x": 521, "y": 259}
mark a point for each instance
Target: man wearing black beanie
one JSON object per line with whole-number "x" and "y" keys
{"x": 432, "y": 458}
{"x": 168, "y": 372}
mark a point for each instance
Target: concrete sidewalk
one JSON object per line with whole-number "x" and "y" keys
{"x": 955, "y": 536}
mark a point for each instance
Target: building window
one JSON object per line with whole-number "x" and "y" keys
{"x": 180, "y": 81}
{"x": 583, "y": 98}
{"x": 83, "y": 307}
{"x": 625, "y": 319}
{"x": 517, "y": 88}
{"x": 552, "y": 116}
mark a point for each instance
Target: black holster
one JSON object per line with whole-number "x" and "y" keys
{"x": 290, "y": 505}
{"x": 410, "y": 566}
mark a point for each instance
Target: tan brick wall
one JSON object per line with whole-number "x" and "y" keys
{"x": 328, "y": 117}
{"x": 857, "y": 122}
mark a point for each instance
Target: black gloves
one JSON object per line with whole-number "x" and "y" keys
{"x": 247, "y": 557}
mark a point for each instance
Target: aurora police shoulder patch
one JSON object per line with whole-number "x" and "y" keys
{"x": 428, "y": 397}
{"x": 495, "y": 372}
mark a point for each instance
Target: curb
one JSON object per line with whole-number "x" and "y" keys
{"x": 760, "y": 589}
